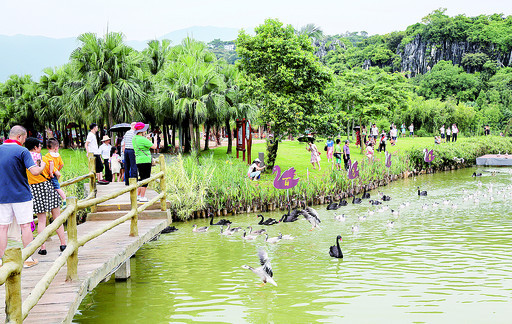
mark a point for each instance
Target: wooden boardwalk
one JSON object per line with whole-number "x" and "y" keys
{"x": 97, "y": 259}
{"x": 120, "y": 205}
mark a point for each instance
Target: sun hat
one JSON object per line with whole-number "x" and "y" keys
{"x": 105, "y": 138}
{"x": 257, "y": 160}
{"x": 141, "y": 127}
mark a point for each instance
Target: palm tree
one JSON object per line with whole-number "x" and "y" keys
{"x": 107, "y": 82}
{"x": 187, "y": 86}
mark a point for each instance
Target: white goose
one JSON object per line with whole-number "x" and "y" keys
{"x": 265, "y": 271}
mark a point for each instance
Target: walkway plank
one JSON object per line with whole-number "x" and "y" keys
{"x": 96, "y": 259}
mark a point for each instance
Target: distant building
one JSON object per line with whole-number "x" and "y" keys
{"x": 229, "y": 47}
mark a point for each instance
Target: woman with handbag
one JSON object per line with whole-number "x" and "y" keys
{"x": 142, "y": 146}
{"x": 315, "y": 155}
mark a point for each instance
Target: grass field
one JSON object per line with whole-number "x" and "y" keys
{"x": 294, "y": 154}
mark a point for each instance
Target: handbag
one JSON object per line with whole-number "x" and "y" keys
{"x": 325, "y": 148}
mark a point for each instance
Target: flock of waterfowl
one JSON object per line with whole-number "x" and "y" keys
{"x": 264, "y": 272}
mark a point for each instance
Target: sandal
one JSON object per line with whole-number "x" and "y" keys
{"x": 42, "y": 252}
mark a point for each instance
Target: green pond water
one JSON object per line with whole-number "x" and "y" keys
{"x": 444, "y": 264}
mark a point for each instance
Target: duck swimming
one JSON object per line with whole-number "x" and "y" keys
{"x": 265, "y": 271}
{"x": 272, "y": 240}
{"x": 340, "y": 218}
{"x": 335, "y": 250}
{"x": 257, "y": 232}
{"x": 199, "y": 229}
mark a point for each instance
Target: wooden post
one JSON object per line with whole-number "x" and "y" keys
{"x": 92, "y": 180}
{"x": 72, "y": 263}
{"x": 163, "y": 188}
{"x": 13, "y": 303}
{"x": 133, "y": 200}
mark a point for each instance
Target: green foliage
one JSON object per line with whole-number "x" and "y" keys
{"x": 282, "y": 73}
{"x": 447, "y": 80}
{"x": 187, "y": 184}
{"x": 467, "y": 150}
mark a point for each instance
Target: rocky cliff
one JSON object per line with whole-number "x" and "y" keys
{"x": 419, "y": 56}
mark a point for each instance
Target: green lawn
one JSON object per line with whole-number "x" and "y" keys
{"x": 294, "y": 154}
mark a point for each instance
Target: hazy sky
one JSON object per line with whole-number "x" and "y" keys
{"x": 140, "y": 20}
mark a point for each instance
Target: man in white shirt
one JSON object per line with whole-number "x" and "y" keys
{"x": 442, "y": 129}
{"x": 91, "y": 146}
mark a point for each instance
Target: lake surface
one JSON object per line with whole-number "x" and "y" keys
{"x": 444, "y": 264}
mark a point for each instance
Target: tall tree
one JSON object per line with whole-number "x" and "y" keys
{"x": 284, "y": 75}
{"x": 107, "y": 78}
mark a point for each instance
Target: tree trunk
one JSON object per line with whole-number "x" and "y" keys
{"x": 173, "y": 140}
{"x": 197, "y": 138}
{"x": 218, "y": 134}
{"x": 230, "y": 137}
{"x": 166, "y": 132}
{"x": 207, "y": 137}
{"x": 272, "y": 146}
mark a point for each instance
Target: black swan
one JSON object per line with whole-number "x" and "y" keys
{"x": 356, "y": 200}
{"x": 292, "y": 216}
{"x": 335, "y": 250}
{"x": 220, "y": 222}
{"x": 268, "y": 221}
{"x": 375, "y": 202}
{"x": 332, "y": 205}
{"x": 476, "y": 174}
{"x": 343, "y": 202}
{"x": 366, "y": 195}
{"x": 169, "y": 229}
{"x": 384, "y": 197}
{"x": 422, "y": 193}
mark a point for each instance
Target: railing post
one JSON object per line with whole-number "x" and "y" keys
{"x": 92, "y": 180}
{"x": 134, "y": 231}
{"x": 13, "y": 311}
{"x": 163, "y": 188}
{"x": 72, "y": 262}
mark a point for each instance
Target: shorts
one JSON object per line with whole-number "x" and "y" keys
{"x": 45, "y": 197}
{"x": 144, "y": 170}
{"x": 99, "y": 163}
{"x": 23, "y": 211}
{"x": 411, "y": 133}
{"x": 55, "y": 183}
{"x": 442, "y": 135}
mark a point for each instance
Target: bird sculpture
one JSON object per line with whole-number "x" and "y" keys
{"x": 286, "y": 180}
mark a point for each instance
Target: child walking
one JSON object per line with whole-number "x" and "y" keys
{"x": 56, "y": 164}
{"x": 115, "y": 164}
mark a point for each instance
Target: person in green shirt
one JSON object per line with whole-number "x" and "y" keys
{"x": 337, "y": 154}
{"x": 142, "y": 146}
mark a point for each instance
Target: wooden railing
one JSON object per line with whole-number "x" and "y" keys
{"x": 10, "y": 273}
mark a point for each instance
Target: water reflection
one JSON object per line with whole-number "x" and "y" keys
{"x": 440, "y": 264}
